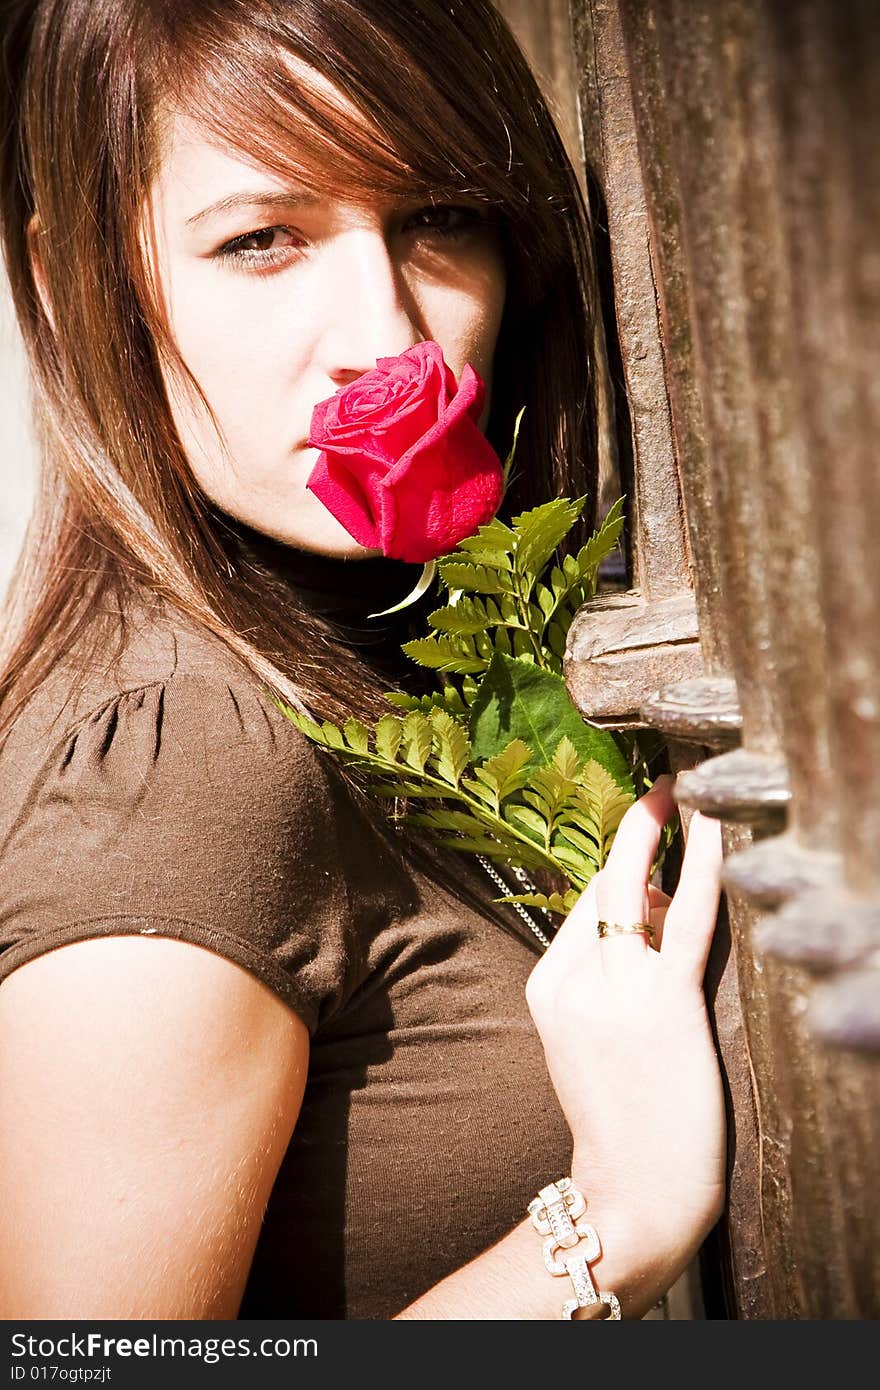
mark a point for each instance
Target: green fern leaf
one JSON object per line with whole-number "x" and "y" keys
{"x": 453, "y": 746}
{"x": 566, "y": 760}
{"x": 446, "y": 653}
{"x": 602, "y": 542}
{"x": 553, "y": 902}
{"x": 492, "y": 559}
{"x": 461, "y": 821}
{"x": 540, "y": 801}
{"x": 506, "y": 851}
{"x": 574, "y": 865}
{"x": 528, "y": 819}
{"x": 539, "y": 532}
{"x": 466, "y": 617}
{"x": 356, "y": 736}
{"x": 302, "y": 722}
{"x": 470, "y": 689}
{"x": 474, "y": 578}
{"x": 493, "y": 536}
{"x": 586, "y": 844}
{"x": 333, "y": 737}
{"x": 605, "y": 801}
{"x": 401, "y": 700}
{"x": 556, "y": 638}
{"x": 389, "y": 734}
{"x": 404, "y": 788}
{"x": 522, "y": 646}
{"x": 546, "y": 601}
{"x": 505, "y": 773}
{"x": 477, "y": 845}
{"x": 418, "y": 737}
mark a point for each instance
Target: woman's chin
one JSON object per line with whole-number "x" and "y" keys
{"x": 328, "y": 539}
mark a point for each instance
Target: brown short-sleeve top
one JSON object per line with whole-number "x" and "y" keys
{"x": 171, "y": 798}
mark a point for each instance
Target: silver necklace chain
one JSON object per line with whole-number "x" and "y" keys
{"x": 522, "y": 877}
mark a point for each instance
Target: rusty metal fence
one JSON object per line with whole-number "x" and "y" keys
{"x": 735, "y": 156}
{"x": 736, "y": 149}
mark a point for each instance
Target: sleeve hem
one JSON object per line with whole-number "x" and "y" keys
{"x": 177, "y": 928}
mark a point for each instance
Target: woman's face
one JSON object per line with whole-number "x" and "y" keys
{"x": 277, "y": 297}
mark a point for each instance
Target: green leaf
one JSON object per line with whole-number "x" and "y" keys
{"x": 566, "y": 760}
{"x": 461, "y": 821}
{"x": 602, "y": 542}
{"x": 579, "y": 865}
{"x": 573, "y": 863}
{"x": 587, "y": 846}
{"x": 305, "y": 725}
{"x": 517, "y": 700}
{"x": 356, "y": 735}
{"x": 503, "y": 774}
{"x": 556, "y": 635}
{"x": 453, "y": 748}
{"x": 333, "y": 736}
{"x": 492, "y": 559}
{"x": 554, "y": 902}
{"x": 448, "y": 698}
{"x": 546, "y": 600}
{"x": 469, "y": 615}
{"x": 418, "y": 737}
{"x": 475, "y": 578}
{"x": 540, "y": 531}
{"x": 389, "y": 733}
{"x": 445, "y": 654}
{"x": 477, "y": 845}
{"x": 493, "y": 536}
{"x": 527, "y": 819}
{"x": 408, "y": 789}
{"x": 606, "y": 803}
{"x": 401, "y": 700}
{"x": 469, "y": 690}
{"x": 515, "y": 851}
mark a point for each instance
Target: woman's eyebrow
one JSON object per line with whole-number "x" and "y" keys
{"x": 260, "y": 198}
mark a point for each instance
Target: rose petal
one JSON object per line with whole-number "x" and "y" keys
{"x": 404, "y": 464}
{"x": 341, "y": 491}
{"x": 440, "y": 494}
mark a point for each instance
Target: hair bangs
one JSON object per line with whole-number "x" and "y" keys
{"x": 273, "y": 95}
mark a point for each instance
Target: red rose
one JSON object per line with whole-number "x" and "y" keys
{"x": 405, "y": 467}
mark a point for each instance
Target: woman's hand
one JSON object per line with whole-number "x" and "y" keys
{"x": 630, "y": 1051}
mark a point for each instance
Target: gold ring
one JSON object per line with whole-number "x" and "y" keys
{"x": 627, "y": 929}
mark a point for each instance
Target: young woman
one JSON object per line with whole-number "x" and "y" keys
{"x": 258, "y": 1055}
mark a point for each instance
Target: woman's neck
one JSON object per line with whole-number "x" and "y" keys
{"x": 342, "y": 591}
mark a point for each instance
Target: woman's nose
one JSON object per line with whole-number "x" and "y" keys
{"x": 373, "y": 312}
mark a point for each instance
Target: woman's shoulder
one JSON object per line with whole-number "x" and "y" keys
{"x": 169, "y": 796}
{"x": 166, "y": 706}
{"x": 163, "y": 688}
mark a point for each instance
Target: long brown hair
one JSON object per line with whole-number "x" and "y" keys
{"x": 450, "y": 107}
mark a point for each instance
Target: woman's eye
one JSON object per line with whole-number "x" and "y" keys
{"x": 447, "y": 221}
{"x": 264, "y": 247}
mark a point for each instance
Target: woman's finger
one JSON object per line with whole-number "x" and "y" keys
{"x": 622, "y": 894}
{"x": 658, "y": 903}
{"x": 690, "y": 917}
{"x": 577, "y": 935}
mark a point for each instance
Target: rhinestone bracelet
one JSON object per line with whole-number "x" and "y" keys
{"x": 554, "y": 1214}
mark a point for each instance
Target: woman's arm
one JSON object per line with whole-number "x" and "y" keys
{"x": 631, "y": 1056}
{"x": 148, "y": 1092}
